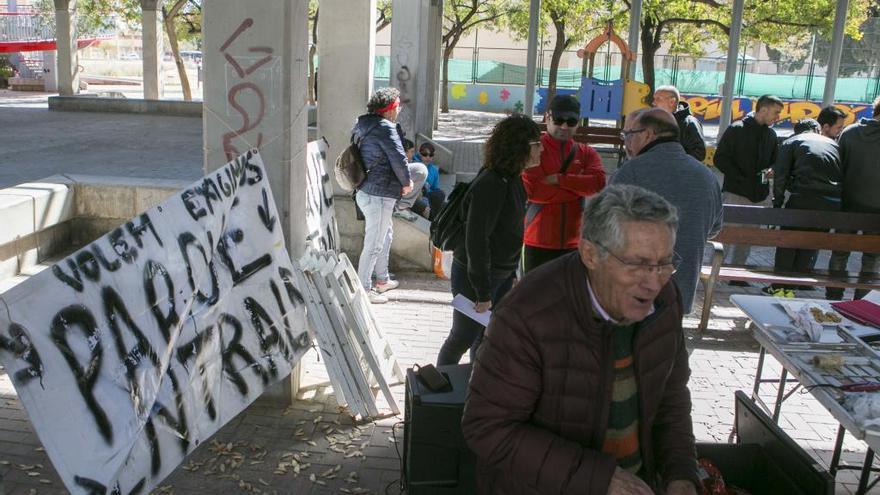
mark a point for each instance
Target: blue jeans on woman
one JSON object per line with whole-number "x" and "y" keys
{"x": 377, "y": 237}
{"x": 467, "y": 333}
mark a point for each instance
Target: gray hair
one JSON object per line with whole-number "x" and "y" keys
{"x": 607, "y": 211}
{"x": 669, "y": 89}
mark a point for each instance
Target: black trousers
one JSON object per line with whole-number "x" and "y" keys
{"x": 801, "y": 260}
{"x": 533, "y": 257}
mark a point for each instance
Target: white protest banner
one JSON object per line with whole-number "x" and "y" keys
{"x": 320, "y": 213}
{"x": 132, "y": 351}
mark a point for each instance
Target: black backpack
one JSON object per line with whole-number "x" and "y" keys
{"x": 350, "y": 169}
{"x": 447, "y": 227}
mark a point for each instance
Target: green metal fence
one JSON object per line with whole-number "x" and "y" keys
{"x": 690, "y": 75}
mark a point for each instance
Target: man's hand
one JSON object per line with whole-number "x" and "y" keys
{"x": 482, "y": 306}
{"x": 681, "y": 487}
{"x": 626, "y": 483}
{"x": 407, "y": 189}
{"x": 552, "y": 179}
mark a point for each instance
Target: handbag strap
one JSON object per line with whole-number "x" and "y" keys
{"x": 567, "y": 162}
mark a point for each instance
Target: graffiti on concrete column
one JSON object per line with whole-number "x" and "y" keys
{"x": 247, "y": 97}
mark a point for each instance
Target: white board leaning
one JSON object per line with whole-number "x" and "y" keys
{"x": 132, "y": 351}
{"x": 320, "y": 212}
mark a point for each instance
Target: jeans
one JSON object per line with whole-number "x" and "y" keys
{"x": 377, "y": 237}
{"x": 739, "y": 255}
{"x": 801, "y": 260}
{"x": 436, "y": 198}
{"x": 418, "y": 173}
{"x": 838, "y": 262}
{"x": 533, "y": 257}
{"x": 466, "y": 333}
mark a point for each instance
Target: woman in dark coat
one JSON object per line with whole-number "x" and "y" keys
{"x": 484, "y": 264}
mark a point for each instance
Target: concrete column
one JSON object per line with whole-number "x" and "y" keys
{"x": 68, "y": 60}
{"x": 415, "y": 62}
{"x": 532, "y": 56}
{"x": 255, "y": 95}
{"x": 635, "y": 23}
{"x": 836, "y": 52}
{"x": 730, "y": 71}
{"x": 152, "y": 48}
{"x": 50, "y": 74}
{"x": 346, "y": 46}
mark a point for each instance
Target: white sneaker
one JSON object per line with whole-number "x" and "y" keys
{"x": 389, "y": 285}
{"x": 405, "y": 215}
{"x": 376, "y": 298}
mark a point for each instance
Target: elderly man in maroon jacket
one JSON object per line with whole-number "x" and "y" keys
{"x": 580, "y": 385}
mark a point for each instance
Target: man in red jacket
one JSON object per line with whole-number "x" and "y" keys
{"x": 569, "y": 172}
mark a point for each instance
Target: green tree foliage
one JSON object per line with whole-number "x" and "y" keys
{"x": 383, "y": 14}
{"x": 770, "y": 22}
{"x": 571, "y": 22}
{"x": 684, "y": 25}
{"x": 861, "y": 55}
{"x": 460, "y": 17}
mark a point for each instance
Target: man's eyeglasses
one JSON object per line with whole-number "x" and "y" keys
{"x": 630, "y": 133}
{"x": 427, "y": 154}
{"x": 570, "y": 122}
{"x": 665, "y": 270}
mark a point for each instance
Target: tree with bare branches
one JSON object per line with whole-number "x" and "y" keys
{"x": 459, "y": 18}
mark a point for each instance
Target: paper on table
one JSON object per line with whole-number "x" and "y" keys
{"x": 466, "y": 307}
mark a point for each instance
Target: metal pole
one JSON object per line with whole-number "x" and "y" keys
{"x": 532, "y": 56}
{"x": 836, "y": 51}
{"x": 730, "y": 71}
{"x": 635, "y": 22}
{"x": 811, "y": 73}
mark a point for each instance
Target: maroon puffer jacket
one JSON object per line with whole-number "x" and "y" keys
{"x": 540, "y": 394}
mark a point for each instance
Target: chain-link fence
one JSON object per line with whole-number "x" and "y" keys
{"x": 692, "y": 75}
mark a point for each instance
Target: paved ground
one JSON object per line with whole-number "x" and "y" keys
{"x": 38, "y": 143}
{"x": 333, "y": 454}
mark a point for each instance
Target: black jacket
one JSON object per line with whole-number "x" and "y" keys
{"x": 807, "y": 164}
{"x": 690, "y": 132}
{"x": 745, "y": 149}
{"x": 860, "y": 159}
{"x": 495, "y": 208}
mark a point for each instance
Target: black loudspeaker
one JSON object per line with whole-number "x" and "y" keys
{"x": 436, "y": 460}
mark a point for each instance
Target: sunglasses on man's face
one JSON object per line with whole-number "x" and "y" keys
{"x": 424, "y": 153}
{"x": 570, "y": 122}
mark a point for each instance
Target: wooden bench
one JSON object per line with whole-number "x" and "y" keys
{"x": 743, "y": 226}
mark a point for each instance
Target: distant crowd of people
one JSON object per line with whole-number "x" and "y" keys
{"x": 579, "y": 382}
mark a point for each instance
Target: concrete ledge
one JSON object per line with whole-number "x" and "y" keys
{"x": 130, "y": 105}
{"x": 64, "y": 212}
{"x": 61, "y": 212}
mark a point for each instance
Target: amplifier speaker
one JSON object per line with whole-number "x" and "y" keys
{"x": 436, "y": 460}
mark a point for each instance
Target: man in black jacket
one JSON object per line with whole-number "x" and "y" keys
{"x": 745, "y": 153}
{"x": 860, "y": 161}
{"x": 690, "y": 130}
{"x": 808, "y": 168}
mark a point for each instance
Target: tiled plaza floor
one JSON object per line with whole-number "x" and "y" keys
{"x": 257, "y": 452}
